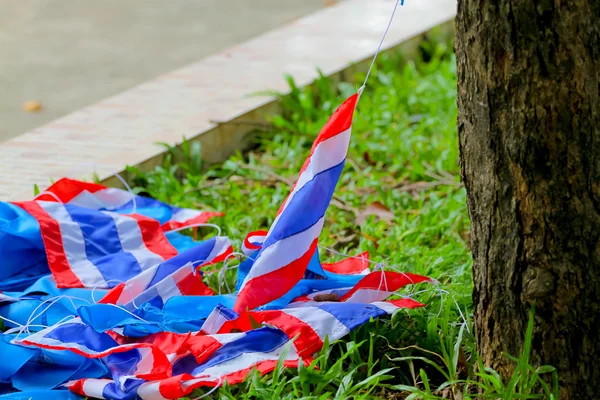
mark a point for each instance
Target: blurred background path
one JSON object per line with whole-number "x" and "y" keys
{"x": 67, "y": 54}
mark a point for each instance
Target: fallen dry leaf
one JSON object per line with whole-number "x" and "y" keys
{"x": 32, "y": 106}
{"x": 375, "y": 208}
{"x": 368, "y": 159}
{"x": 463, "y": 365}
{"x": 329, "y": 3}
{"x": 327, "y": 297}
{"x": 372, "y": 239}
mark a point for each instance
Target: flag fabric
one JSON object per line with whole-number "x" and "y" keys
{"x": 174, "y": 277}
{"x": 292, "y": 239}
{"x": 90, "y": 248}
{"x": 119, "y": 305}
{"x": 89, "y": 235}
{"x": 95, "y": 196}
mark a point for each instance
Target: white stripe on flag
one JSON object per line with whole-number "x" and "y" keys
{"x": 222, "y": 243}
{"x": 322, "y": 322}
{"x": 244, "y": 361}
{"x": 146, "y": 363}
{"x": 368, "y": 295}
{"x": 184, "y": 215}
{"x": 385, "y": 306}
{"x": 95, "y": 387}
{"x": 74, "y": 246}
{"x": 136, "y": 285}
{"x": 283, "y": 252}
{"x": 327, "y": 154}
{"x": 150, "y": 391}
{"x": 108, "y": 199}
{"x": 131, "y": 240}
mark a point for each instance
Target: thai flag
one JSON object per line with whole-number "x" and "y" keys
{"x": 174, "y": 277}
{"x": 376, "y": 286}
{"x": 292, "y": 239}
{"x": 311, "y": 324}
{"x": 99, "y": 197}
{"x": 228, "y": 357}
{"x": 145, "y": 360}
{"x": 351, "y": 266}
{"x": 213, "y": 360}
{"x": 97, "y": 249}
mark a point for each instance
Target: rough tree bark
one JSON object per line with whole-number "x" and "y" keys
{"x": 529, "y": 135}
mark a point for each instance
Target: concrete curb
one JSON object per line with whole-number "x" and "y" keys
{"x": 122, "y": 130}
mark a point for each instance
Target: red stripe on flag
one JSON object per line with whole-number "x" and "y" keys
{"x": 200, "y": 219}
{"x": 154, "y": 237}
{"x": 113, "y": 295}
{"x": 339, "y": 121}
{"x": 236, "y": 377}
{"x": 77, "y": 387}
{"x": 55, "y": 251}
{"x": 219, "y": 258}
{"x": 167, "y": 342}
{"x": 202, "y": 347}
{"x": 251, "y": 246}
{"x": 192, "y": 285}
{"x": 170, "y": 388}
{"x": 349, "y": 266}
{"x": 391, "y": 282}
{"x": 406, "y": 303}
{"x": 265, "y": 288}
{"x": 67, "y": 189}
{"x": 307, "y": 342}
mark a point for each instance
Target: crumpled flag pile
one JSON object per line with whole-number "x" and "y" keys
{"x": 101, "y": 297}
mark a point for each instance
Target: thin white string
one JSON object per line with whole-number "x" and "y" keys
{"x": 64, "y": 319}
{"x": 193, "y": 266}
{"x": 401, "y": 2}
{"x": 383, "y": 279}
{"x": 116, "y": 175}
{"x": 378, "y": 265}
{"x": 51, "y": 194}
{"x": 217, "y": 227}
{"x": 211, "y": 391}
{"x": 128, "y": 312}
{"x": 54, "y": 300}
{"x": 222, "y": 273}
{"x": 133, "y": 196}
{"x": 462, "y": 316}
{"x": 19, "y": 326}
{"x": 119, "y": 281}
{"x": 33, "y": 316}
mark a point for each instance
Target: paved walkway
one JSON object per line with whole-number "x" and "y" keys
{"x": 71, "y": 53}
{"x": 123, "y": 129}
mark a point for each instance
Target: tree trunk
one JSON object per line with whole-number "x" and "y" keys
{"x": 529, "y": 135}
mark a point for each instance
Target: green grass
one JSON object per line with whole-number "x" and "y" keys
{"x": 404, "y": 155}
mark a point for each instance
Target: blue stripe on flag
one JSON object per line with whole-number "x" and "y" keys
{"x": 262, "y": 340}
{"x": 307, "y": 206}
{"x": 352, "y": 314}
{"x": 198, "y": 253}
{"x": 102, "y": 244}
{"x": 113, "y": 391}
{"x": 83, "y": 335}
{"x": 123, "y": 363}
{"x": 99, "y": 231}
{"x": 150, "y": 208}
